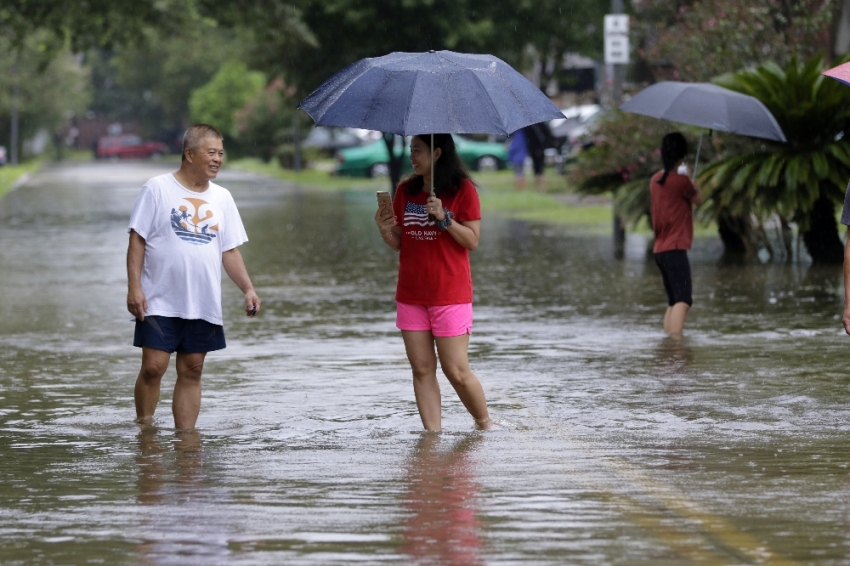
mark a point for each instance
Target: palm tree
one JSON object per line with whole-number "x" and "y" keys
{"x": 802, "y": 180}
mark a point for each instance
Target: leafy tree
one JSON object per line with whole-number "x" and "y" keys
{"x": 804, "y": 179}
{"x": 228, "y": 91}
{"x": 84, "y": 24}
{"x": 152, "y": 82}
{"x": 48, "y": 95}
{"x": 536, "y": 33}
{"x": 265, "y": 122}
{"x": 696, "y": 40}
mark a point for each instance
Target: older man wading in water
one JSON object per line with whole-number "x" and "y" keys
{"x": 182, "y": 230}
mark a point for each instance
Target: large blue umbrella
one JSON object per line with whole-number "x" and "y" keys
{"x": 421, "y": 93}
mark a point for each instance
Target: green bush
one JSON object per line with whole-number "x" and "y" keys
{"x": 217, "y": 102}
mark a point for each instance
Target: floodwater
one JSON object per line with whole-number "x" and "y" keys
{"x": 615, "y": 446}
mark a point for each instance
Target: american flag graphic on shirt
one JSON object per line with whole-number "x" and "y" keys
{"x": 415, "y": 215}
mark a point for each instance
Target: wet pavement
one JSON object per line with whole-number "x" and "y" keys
{"x": 616, "y": 445}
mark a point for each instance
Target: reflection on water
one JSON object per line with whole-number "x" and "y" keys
{"x": 673, "y": 356}
{"x": 168, "y": 469}
{"x": 443, "y": 527}
{"x": 618, "y": 445}
{"x": 171, "y": 474}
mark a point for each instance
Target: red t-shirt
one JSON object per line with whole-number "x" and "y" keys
{"x": 433, "y": 268}
{"x": 672, "y": 213}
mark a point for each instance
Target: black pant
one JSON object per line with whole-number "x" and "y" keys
{"x": 676, "y": 273}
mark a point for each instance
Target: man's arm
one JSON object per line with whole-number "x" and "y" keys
{"x": 137, "y": 303}
{"x": 234, "y": 266}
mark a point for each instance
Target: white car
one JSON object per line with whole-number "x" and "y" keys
{"x": 577, "y": 121}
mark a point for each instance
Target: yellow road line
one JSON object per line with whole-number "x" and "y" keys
{"x": 686, "y": 528}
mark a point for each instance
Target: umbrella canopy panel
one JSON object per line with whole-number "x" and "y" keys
{"x": 841, "y": 73}
{"x": 419, "y": 93}
{"x": 706, "y": 105}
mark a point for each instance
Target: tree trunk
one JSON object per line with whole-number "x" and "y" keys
{"x": 787, "y": 239}
{"x": 736, "y": 233}
{"x": 821, "y": 239}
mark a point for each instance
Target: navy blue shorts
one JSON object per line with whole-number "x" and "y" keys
{"x": 676, "y": 273}
{"x": 172, "y": 334}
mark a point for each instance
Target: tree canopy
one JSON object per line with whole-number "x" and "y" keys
{"x": 696, "y": 40}
{"x": 48, "y": 94}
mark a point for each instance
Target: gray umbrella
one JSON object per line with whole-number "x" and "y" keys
{"x": 706, "y": 105}
{"x": 437, "y": 91}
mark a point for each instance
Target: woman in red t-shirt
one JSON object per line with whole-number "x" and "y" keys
{"x": 434, "y": 234}
{"x": 672, "y": 198}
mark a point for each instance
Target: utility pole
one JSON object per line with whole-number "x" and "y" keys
{"x": 617, "y": 70}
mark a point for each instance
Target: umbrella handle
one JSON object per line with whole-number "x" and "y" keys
{"x": 432, "y": 164}
{"x": 696, "y": 160}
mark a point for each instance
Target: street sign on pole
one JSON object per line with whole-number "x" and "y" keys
{"x": 616, "y": 24}
{"x": 616, "y": 39}
{"x": 616, "y": 50}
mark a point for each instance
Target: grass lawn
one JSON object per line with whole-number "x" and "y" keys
{"x": 557, "y": 205}
{"x": 9, "y": 174}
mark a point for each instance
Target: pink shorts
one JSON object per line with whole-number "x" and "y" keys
{"x": 443, "y": 321}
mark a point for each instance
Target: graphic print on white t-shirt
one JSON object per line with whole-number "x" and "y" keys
{"x": 189, "y": 224}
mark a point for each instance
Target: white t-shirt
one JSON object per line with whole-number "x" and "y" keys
{"x": 185, "y": 234}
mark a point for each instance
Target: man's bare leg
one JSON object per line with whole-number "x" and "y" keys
{"x": 186, "y": 404}
{"x": 146, "y": 393}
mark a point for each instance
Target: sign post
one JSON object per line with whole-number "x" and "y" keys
{"x": 616, "y": 52}
{"x": 616, "y": 56}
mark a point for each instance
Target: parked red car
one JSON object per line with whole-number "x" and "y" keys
{"x": 128, "y": 146}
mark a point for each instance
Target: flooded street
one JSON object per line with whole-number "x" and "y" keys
{"x": 616, "y": 446}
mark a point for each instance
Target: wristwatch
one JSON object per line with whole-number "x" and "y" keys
{"x": 445, "y": 222}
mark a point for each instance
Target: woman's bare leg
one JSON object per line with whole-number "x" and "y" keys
{"x": 674, "y": 320}
{"x": 454, "y": 359}
{"x": 423, "y": 362}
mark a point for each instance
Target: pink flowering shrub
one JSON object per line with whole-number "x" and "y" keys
{"x": 266, "y": 120}
{"x": 696, "y": 41}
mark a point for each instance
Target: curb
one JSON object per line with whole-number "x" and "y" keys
{"x": 22, "y": 180}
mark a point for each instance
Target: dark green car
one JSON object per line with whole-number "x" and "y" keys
{"x": 372, "y": 160}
